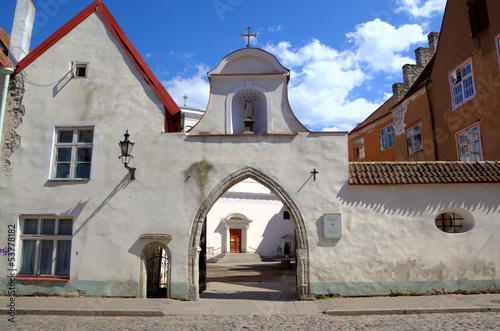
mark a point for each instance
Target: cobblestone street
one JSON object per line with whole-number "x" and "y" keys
{"x": 458, "y": 321}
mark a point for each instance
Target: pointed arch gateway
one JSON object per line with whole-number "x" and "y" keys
{"x": 302, "y": 249}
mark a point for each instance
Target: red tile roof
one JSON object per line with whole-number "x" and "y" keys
{"x": 370, "y": 173}
{"x": 4, "y": 46}
{"x": 172, "y": 110}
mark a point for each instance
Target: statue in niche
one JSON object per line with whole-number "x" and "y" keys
{"x": 249, "y": 115}
{"x": 249, "y": 108}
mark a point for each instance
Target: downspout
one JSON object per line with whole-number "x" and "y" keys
{"x": 428, "y": 92}
{"x": 7, "y": 72}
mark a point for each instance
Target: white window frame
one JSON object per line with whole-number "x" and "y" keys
{"x": 77, "y": 65}
{"x": 497, "y": 43}
{"x": 462, "y": 85}
{"x": 53, "y": 152}
{"x": 384, "y": 137}
{"x": 38, "y": 238}
{"x": 359, "y": 152}
{"x": 414, "y": 143}
{"x": 467, "y": 140}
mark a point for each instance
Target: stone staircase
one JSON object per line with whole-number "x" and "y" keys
{"x": 236, "y": 258}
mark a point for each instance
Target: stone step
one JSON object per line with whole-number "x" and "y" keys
{"x": 237, "y": 258}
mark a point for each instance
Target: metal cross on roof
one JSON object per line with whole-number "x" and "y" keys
{"x": 249, "y": 35}
{"x": 185, "y": 97}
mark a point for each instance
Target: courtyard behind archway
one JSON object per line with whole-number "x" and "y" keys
{"x": 198, "y": 239}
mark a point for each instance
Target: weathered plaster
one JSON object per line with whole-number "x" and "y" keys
{"x": 15, "y": 111}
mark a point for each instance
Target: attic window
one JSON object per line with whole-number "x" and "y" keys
{"x": 478, "y": 16}
{"x": 80, "y": 69}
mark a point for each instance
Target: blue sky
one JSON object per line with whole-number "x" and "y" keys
{"x": 344, "y": 56}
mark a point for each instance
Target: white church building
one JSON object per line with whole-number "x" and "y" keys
{"x": 81, "y": 221}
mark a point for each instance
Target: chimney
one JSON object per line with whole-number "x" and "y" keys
{"x": 433, "y": 38}
{"x": 20, "y": 38}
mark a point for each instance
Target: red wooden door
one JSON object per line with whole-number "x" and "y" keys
{"x": 235, "y": 240}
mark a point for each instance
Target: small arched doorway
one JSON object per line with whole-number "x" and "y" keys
{"x": 197, "y": 237}
{"x": 156, "y": 272}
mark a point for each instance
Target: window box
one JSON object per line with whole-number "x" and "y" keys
{"x": 462, "y": 85}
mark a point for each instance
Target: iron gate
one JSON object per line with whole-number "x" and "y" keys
{"x": 157, "y": 270}
{"x": 202, "y": 262}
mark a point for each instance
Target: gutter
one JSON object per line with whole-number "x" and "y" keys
{"x": 3, "y": 104}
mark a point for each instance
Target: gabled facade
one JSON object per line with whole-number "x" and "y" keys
{"x": 465, "y": 83}
{"x": 450, "y": 111}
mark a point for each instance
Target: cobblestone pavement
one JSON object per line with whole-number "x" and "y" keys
{"x": 458, "y": 321}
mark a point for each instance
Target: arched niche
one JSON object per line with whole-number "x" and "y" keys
{"x": 235, "y": 109}
{"x": 151, "y": 249}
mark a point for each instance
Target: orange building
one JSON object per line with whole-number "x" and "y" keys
{"x": 448, "y": 108}
{"x": 373, "y": 139}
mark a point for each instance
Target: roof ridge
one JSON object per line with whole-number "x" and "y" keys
{"x": 98, "y": 7}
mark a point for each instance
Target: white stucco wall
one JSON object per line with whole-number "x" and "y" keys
{"x": 265, "y": 211}
{"x": 389, "y": 242}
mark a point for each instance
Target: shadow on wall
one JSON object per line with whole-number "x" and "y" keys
{"x": 426, "y": 202}
{"x": 417, "y": 199}
{"x": 276, "y": 228}
{"x": 121, "y": 186}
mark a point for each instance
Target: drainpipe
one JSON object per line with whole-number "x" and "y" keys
{"x": 3, "y": 104}
{"x": 431, "y": 110}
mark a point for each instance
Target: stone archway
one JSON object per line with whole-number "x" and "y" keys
{"x": 302, "y": 249}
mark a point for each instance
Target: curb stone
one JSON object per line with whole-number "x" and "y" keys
{"x": 62, "y": 312}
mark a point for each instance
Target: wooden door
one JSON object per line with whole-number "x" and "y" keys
{"x": 235, "y": 240}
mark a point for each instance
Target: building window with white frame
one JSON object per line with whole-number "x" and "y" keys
{"x": 45, "y": 245}
{"x": 80, "y": 69}
{"x": 497, "y": 43}
{"x": 386, "y": 135}
{"x": 462, "y": 85}
{"x": 414, "y": 139}
{"x": 469, "y": 144}
{"x": 358, "y": 147}
{"x": 72, "y": 153}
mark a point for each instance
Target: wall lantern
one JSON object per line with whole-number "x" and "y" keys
{"x": 126, "y": 147}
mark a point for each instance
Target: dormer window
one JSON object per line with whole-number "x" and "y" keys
{"x": 80, "y": 69}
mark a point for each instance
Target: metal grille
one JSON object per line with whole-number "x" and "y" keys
{"x": 449, "y": 222}
{"x": 202, "y": 262}
{"x": 157, "y": 273}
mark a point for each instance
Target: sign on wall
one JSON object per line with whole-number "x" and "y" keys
{"x": 332, "y": 226}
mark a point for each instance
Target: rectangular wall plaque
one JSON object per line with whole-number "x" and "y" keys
{"x": 332, "y": 226}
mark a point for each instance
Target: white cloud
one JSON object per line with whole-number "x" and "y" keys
{"x": 421, "y": 8}
{"x": 325, "y": 81}
{"x": 149, "y": 55}
{"x": 195, "y": 87}
{"x": 322, "y": 80}
{"x": 276, "y": 28}
{"x": 380, "y": 44}
{"x": 340, "y": 127}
